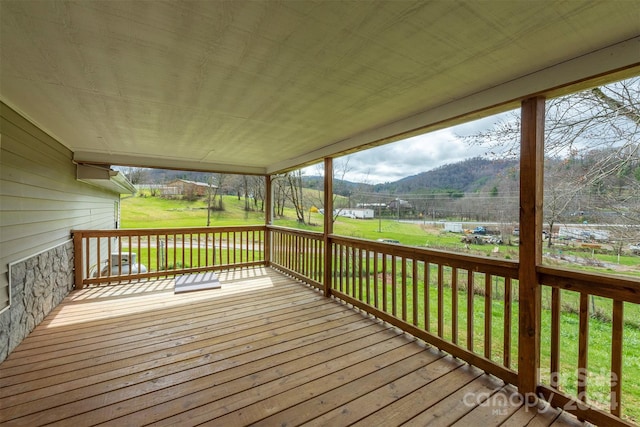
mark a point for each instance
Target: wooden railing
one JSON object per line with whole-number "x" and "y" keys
{"x": 103, "y": 256}
{"x": 597, "y": 300}
{"x": 435, "y": 296}
{"x": 468, "y": 307}
{"x": 465, "y": 305}
{"x": 298, "y": 253}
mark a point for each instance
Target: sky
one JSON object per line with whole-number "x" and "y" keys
{"x": 411, "y": 156}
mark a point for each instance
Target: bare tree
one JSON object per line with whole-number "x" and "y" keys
{"x": 295, "y": 194}
{"x": 559, "y": 191}
{"x": 210, "y": 196}
{"x": 135, "y": 175}
{"x": 340, "y": 170}
{"x": 280, "y": 192}
{"x": 256, "y": 184}
{"x": 601, "y": 128}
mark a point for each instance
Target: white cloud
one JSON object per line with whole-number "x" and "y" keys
{"x": 408, "y": 157}
{"x": 414, "y": 155}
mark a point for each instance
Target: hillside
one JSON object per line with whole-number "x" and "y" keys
{"x": 468, "y": 176}
{"x": 476, "y": 174}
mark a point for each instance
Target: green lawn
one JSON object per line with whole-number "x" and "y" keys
{"x": 155, "y": 212}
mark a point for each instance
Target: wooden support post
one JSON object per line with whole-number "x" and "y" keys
{"x": 328, "y": 224}
{"x": 268, "y": 218}
{"x": 531, "y": 197}
{"x": 77, "y": 259}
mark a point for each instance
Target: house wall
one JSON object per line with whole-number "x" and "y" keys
{"x": 40, "y": 203}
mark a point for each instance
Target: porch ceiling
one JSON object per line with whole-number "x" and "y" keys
{"x": 260, "y": 86}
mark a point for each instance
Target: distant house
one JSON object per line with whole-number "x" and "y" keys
{"x": 401, "y": 204}
{"x": 185, "y": 187}
{"x": 354, "y": 213}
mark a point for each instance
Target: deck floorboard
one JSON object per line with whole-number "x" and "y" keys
{"x": 262, "y": 350}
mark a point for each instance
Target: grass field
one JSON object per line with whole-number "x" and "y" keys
{"x": 150, "y": 212}
{"x": 156, "y": 212}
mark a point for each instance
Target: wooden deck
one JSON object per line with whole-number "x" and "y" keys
{"x": 264, "y": 349}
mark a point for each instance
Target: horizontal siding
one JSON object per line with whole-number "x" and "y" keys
{"x": 28, "y": 204}
{"x": 40, "y": 177}
{"x": 40, "y": 199}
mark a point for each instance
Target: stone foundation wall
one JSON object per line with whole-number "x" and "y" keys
{"x": 38, "y": 284}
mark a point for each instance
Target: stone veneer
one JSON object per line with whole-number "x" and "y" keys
{"x": 38, "y": 284}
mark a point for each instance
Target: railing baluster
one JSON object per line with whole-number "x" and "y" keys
{"x": 119, "y": 255}
{"x": 168, "y": 245}
{"x": 220, "y": 262}
{"x": 239, "y": 240}
{"x": 199, "y": 250}
{"x": 88, "y": 258}
{"x": 427, "y": 296}
{"x": 289, "y": 250}
{"x": 344, "y": 272}
{"x": 376, "y": 300}
{"x": 305, "y": 256}
{"x": 555, "y": 337}
{"x": 206, "y": 250}
{"x": 617, "y": 326}
{"x": 354, "y": 271}
{"x": 98, "y": 258}
{"x": 315, "y": 258}
{"x": 149, "y": 252}
{"x": 286, "y": 250}
{"x": 384, "y": 283}
{"x": 507, "y": 323}
{"x": 347, "y": 269}
{"x": 129, "y": 249}
{"x": 158, "y": 252}
{"x": 109, "y": 249}
{"x": 337, "y": 262}
{"x": 311, "y": 255}
{"x": 360, "y": 284}
{"x": 470, "y": 311}
{"x": 139, "y": 257}
{"x": 403, "y": 264}
{"x": 175, "y": 250}
{"x": 415, "y": 283}
{"x": 319, "y": 260}
{"x": 488, "y": 315}
{"x": 368, "y": 275}
{"x": 454, "y": 305}
{"x": 583, "y": 341}
{"x": 440, "y": 300}
{"x": 291, "y": 244}
{"x": 394, "y": 290}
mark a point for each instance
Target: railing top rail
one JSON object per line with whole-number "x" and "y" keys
{"x": 505, "y": 268}
{"x": 308, "y": 233}
{"x": 616, "y": 287}
{"x": 170, "y": 230}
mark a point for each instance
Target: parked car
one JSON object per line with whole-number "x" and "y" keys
{"x": 635, "y": 249}
{"x": 480, "y": 230}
